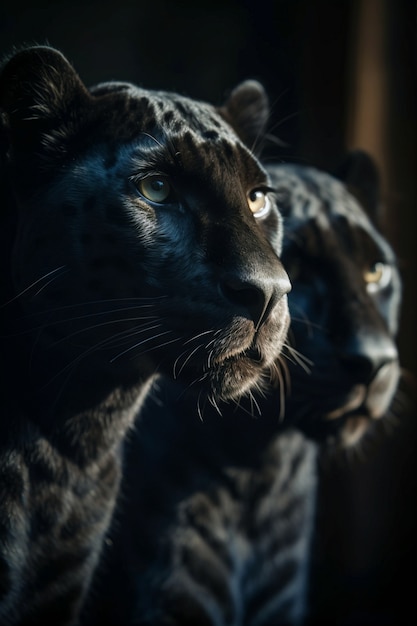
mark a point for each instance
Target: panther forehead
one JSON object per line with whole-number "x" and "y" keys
{"x": 306, "y": 194}
{"x": 141, "y": 109}
{"x": 307, "y": 198}
{"x": 170, "y": 129}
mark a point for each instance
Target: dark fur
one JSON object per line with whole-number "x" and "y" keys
{"x": 215, "y": 522}
{"x": 104, "y": 289}
{"x": 343, "y": 326}
{"x": 217, "y": 513}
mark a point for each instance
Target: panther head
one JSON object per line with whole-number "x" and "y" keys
{"x": 345, "y": 299}
{"x": 137, "y": 225}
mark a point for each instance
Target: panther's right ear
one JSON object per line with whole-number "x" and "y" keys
{"x": 247, "y": 111}
{"x": 360, "y": 174}
{"x": 41, "y": 97}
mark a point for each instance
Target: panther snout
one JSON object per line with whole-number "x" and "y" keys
{"x": 366, "y": 353}
{"x": 256, "y": 297}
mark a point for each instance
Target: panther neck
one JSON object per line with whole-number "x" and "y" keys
{"x": 83, "y": 412}
{"x": 90, "y": 434}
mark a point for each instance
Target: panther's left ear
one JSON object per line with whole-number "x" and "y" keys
{"x": 360, "y": 174}
{"x": 247, "y": 112}
{"x": 41, "y": 104}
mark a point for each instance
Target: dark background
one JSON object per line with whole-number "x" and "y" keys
{"x": 340, "y": 75}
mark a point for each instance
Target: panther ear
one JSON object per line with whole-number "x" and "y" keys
{"x": 247, "y": 111}
{"x": 40, "y": 100}
{"x": 360, "y": 174}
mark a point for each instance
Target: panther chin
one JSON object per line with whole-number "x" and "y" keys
{"x": 227, "y": 361}
{"x": 237, "y": 375}
{"x": 237, "y": 367}
{"x": 229, "y": 377}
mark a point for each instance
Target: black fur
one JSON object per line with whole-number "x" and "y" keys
{"x": 345, "y": 299}
{"x": 105, "y": 287}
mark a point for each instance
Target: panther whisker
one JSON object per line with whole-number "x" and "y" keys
{"x": 298, "y": 357}
{"x": 199, "y": 411}
{"x": 212, "y": 341}
{"x": 135, "y": 300}
{"x": 275, "y": 140}
{"x": 193, "y": 338}
{"x": 90, "y": 304}
{"x": 158, "y": 143}
{"x": 21, "y": 293}
{"x": 55, "y": 322}
{"x": 45, "y": 286}
{"x": 125, "y": 337}
{"x": 214, "y": 404}
{"x": 286, "y": 374}
{"x": 107, "y": 342}
{"x": 209, "y": 356}
{"x": 305, "y": 320}
{"x": 236, "y": 402}
{"x": 76, "y": 360}
{"x": 282, "y": 121}
{"x": 254, "y": 402}
{"x": 197, "y": 380}
{"x": 205, "y": 332}
{"x": 109, "y": 323}
{"x": 165, "y": 332}
{"x": 187, "y": 359}
{"x": 240, "y": 407}
{"x": 158, "y": 346}
{"x": 175, "y": 375}
{"x": 281, "y": 395}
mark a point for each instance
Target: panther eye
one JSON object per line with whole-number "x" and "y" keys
{"x": 259, "y": 203}
{"x": 155, "y": 188}
{"x": 377, "y": 276}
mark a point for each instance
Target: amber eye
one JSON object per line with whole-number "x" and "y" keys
{"x": 377, "y": 276}
{"x": 259, "y": 203}
{"x": 155, "y": 188}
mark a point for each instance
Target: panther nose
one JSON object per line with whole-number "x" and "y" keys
{"x": 365, "y": 354}
{"x": 256, "y": 297}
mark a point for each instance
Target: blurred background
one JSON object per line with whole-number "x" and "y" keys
{"x": 340, "y": 75}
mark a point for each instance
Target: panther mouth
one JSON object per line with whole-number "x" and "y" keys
{"x": 353, "y": 417}
{"x": 233, "y": 360}
{"x": 251, "y": 356}
{"x": 252, "y": 353}
{"x": 351, "y": 404}
{"x": 370, "y": 401}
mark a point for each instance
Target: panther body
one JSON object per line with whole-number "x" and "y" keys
{"x": 133, "y": 242}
